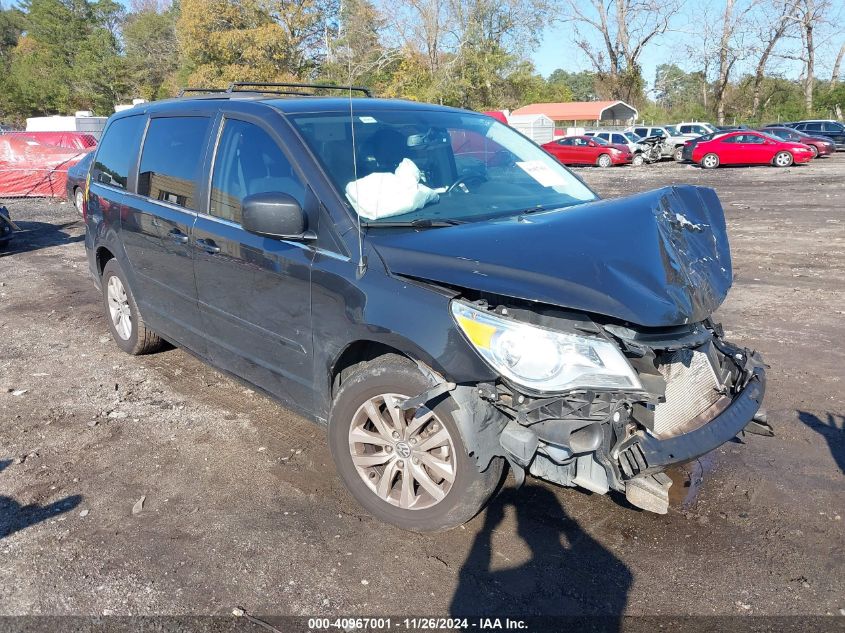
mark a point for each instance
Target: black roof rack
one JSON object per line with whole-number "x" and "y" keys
{"x": 183, "y": 91}
{"x": 291, "y": 88}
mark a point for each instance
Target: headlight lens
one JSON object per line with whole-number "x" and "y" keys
{"x": 542, "y": 359}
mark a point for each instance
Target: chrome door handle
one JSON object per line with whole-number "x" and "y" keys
{"x": 208, "y": 246}
{"x": 177, "y": 236}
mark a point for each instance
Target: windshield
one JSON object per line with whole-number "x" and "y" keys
{"x": 633, "y": 137}
{"x": 419, "y": 166}
{"x": 673, "y": 131}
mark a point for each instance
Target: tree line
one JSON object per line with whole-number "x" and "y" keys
{"x": 59, "y": 56}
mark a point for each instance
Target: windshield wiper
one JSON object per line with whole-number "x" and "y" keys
{"x": 419, "y": 223}
{"x": 540, "y": 207}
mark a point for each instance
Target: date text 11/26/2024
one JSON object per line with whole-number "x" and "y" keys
{"x": 417, "y": 624}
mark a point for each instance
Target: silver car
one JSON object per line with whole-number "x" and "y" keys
{"x": 629, "y": 139}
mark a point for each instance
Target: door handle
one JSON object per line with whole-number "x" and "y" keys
{"x": 177, "y": 236}
{"x": 208, "y": 246}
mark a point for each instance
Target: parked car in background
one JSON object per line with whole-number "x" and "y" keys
{"x": 76, "y": 176}
{"x": 672, "y": 140}
{"x": 539, "y": 327}
{"x": 731, "y": 128}
{"x": 69, "y": 140}
{"x": 831, "y": 129}
{"x": 614, "y": 137}
{"x": 749, "y": 148}
{"x": 696, "y": 128}
{"x": 821, "y": 145}
{"x": 584, "y": 150}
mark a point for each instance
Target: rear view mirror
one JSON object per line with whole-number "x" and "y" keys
{"x": 276, "y": 215}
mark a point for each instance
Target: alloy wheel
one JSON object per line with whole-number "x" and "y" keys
{"x": 407, "y": 458}
{"x": 783, "y": 159}
{"x": 119, "y": 311}
{"x": 710, "y": 161}
{"x": 79, "y": 199}
{"x": 604, "y": 160}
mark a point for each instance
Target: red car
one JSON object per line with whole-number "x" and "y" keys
{"x": 586, "y": 150}
{"x": 746, "y": 147}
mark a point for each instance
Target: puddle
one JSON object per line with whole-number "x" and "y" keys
{"x": 688, "y": 479}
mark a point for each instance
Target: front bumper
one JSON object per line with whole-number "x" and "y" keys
{"x": 656, "y": 454}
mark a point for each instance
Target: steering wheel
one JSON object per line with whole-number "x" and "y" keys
{"x": 464, "y": 180}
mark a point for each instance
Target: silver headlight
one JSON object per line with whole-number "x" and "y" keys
{"x": 542, "y": 359}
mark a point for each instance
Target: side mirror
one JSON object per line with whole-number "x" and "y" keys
{"x": 276, "y": 215}
{"x": 592, "y": 144}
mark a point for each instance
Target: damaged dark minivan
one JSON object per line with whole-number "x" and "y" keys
{"x": 428, "y": 283}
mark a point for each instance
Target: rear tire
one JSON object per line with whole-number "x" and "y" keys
{"x": 125, "y": 321}
{"x": 678, "y": 155}
{"x": 393, "y": 448}
{"x": 710, "y": 161}
{"x": 783, "y": 159}
{"x": 604, "y": 161}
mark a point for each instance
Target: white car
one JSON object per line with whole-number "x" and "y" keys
{"x": 629, "y": 139}
{"x": 673, "y": 139}
{"x": 696, "y": 128}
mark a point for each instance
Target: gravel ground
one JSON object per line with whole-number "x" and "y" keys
{"x": 155, "y": 485}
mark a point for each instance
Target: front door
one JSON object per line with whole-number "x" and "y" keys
{"x": 254, "y": 292}
{"x": 156, "y": 230}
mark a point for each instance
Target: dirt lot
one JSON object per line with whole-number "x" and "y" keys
{"x": 242, "y": 505}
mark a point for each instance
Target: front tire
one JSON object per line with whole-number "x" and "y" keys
{"x": 783, "y": 159}
{"x": 125, "y": 322}
{"x": 637, "y": 160}
{"x": 710, "y": 161}
{"x": 678, "y": 155}
{"x": 410, "y": 469}
{"x": 815, "y": 151}
{"x": 78, "y": 199}
{"x": 604, "y": 161}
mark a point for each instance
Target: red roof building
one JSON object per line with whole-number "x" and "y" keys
{"x": 583, "y": 111}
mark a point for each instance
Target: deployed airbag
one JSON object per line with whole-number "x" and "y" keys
{"x": 385, "y": 194}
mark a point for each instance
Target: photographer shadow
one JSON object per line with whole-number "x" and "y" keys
{"x": 14, "y": 517}
{"x": 832, "y": 429}
{"x": 569, "y": 573}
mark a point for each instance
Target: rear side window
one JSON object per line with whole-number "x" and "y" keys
{"x": 171, "y": 159}
{"x": 833, "y": 127}
{"x": 249, "y": 161}
{"x": 816, "y": 127}
{"x": 117, "y": 151}
{"x": 618, "y": 138}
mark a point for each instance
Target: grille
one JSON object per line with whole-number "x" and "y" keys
{"x": 691, "y": 389}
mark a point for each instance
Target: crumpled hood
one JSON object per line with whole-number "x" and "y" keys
{"x": 655, "y": 259}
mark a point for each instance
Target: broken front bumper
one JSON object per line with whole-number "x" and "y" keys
{"x": 645, "y": 453}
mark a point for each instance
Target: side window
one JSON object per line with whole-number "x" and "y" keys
{"x": 658, "y": 132}
{"x": 753, "y": 139}
{"x": 565, "y": 141}
{"x": 686, "y": 129}
{"x": 641, "y": 131}
{"x": 815, "y": 127}
{"x": 833, "y": 127}
{"x": 737, "y": 138}
{"x": 604, "y": 136}
{"x": 618, "y": 138}
{"x": 117, "y": 151}
{"x": 248, "y": 161}
{"x": 171, "y": 159}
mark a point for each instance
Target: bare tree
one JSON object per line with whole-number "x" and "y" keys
{"x": 837, "y": 65}
{"x": 776, "y": 17}
{"x": 732, "y": 47}
{"x": 624, "y": 29}
{"x": 809, "y": 15}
